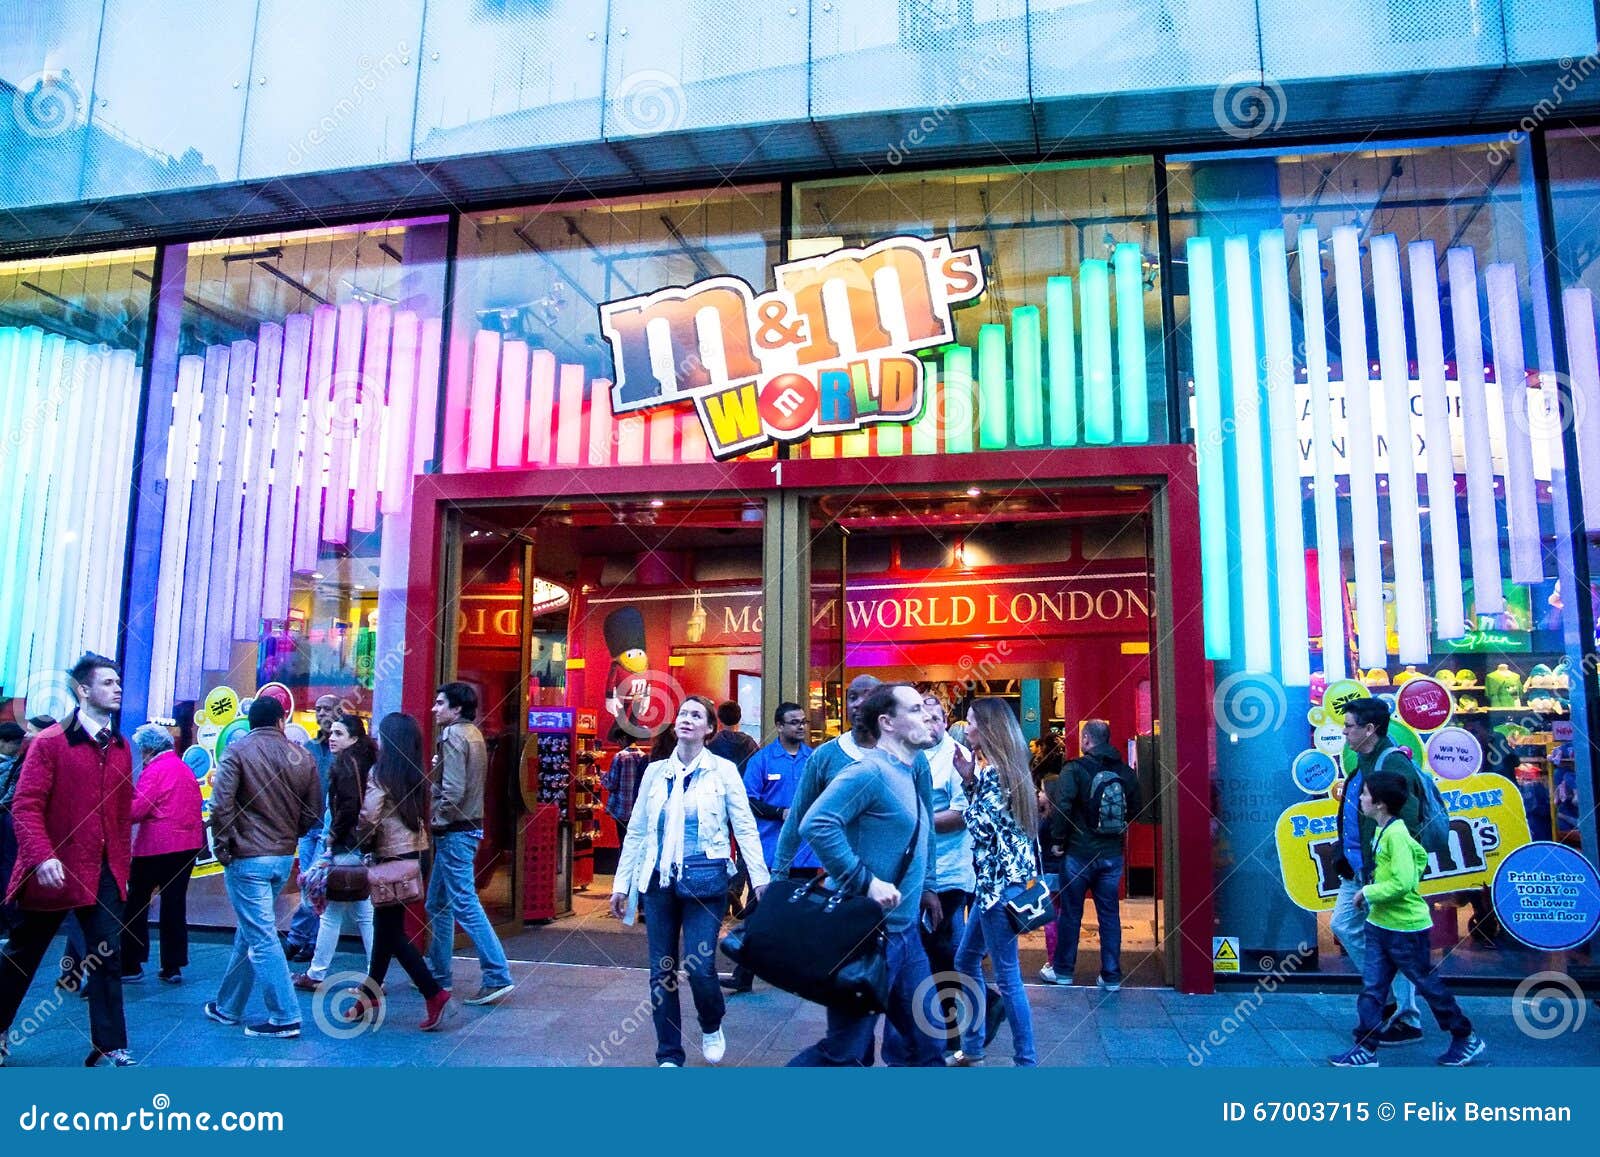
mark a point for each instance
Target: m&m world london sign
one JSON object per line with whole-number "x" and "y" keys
{"x": 826, "y": 351}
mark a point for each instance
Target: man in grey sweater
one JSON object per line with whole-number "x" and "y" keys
{"x": 870, "y": 828}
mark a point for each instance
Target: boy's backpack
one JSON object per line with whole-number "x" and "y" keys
{"x": 1107, "y": 807}
{"x": 1433, "y": 824}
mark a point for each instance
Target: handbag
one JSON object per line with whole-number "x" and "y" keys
{"x": 395, "y": 882}
{"x": 820, "y": 944}
{"x": 1028, "y": 904}
{"x": 347, "y": 883}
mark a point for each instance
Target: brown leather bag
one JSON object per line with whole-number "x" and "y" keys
{"x": 347, "y": 882}
{"x": 395, "y": 882}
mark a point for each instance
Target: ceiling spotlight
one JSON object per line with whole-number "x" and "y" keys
{"x": 973, "y": 492}
{"x": 657, "y": 503}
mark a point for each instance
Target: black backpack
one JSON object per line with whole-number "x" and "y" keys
{"x": 1105, "y": 806}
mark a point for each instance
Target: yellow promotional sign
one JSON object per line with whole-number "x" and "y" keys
{"x": 1487, "y": 821}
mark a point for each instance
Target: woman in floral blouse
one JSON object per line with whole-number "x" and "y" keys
{"x": 1001, "y": 814}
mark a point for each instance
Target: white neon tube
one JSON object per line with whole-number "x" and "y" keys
{"x": 1372, "y": 645}
{"x": 314, "y": 451}
{"x": 257, "y": 484}
{"x": 182, "y": 444}
{"x": 399, "y": 416}
{"x": 1288, "y": 517}
{"x": 541, "y": 405}
{"x": 513, "y": 403}
{"x": 1330, "y": 558}
{"x": 428, "y": 386}
{"x": 1577, "y": 305}
{"x": 30, "y": 371}
{"x": 221, "y": 586}
{"x": 369, "y": 431}
{"x": 480, "y": 407}
{"x": 202, "y": 517}
{"x": 1405, "y": 530}
{"x": 343, "y": 417}
{"x": 286, "y": 440}
{"x": 1449, "y": 608}
{"x": 16, "y": 382}
{"x": 1510, "y": 371}
{"x": 98, "y": 429}
{"x": 1488, "y": 595}
{"x": 116, "y": 512}
{"x": 604, "y": 429}
{"x": 69, "y": 494}
{"x": 1253, "y": 527}
{"x": 56, "y": 374}
{"x": 569, "y": 416}
{"x": 1208, "y": 444}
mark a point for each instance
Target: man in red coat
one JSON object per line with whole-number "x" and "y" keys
{"x": 73, "y": 832}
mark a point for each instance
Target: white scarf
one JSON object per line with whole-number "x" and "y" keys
{"x": 677, "y": 776}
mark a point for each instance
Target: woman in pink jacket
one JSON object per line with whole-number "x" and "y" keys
{"x": 166, "y": 808}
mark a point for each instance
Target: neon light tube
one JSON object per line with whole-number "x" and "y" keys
{"x": 1372, "y": 642}
{"x": 1248, "y": 452}
{"x": 1208, "y": 445}
{"x": 69, "y": 492}
{"x": 1027, "y": 382}
{"x": 663, "y": 438}
{"x": 1449, "y": 608}
{"x": 104, "y": 411}
{"x": 458, "y": 388}
{"x": 511, "y": 444}
{"x": 369, "y": 427}
{"x": 285, "y": 465}
{"x": 230, "y": 508}
{"x": 202, "y": 516}
{"x": 18, "y": 366}
{"x": 56, "y": 370}
{"x": 1330, "y": 562}
{"x": 1488, "y": 593}
{"x": 182, "y": 446}
{"x": 1063, "y": 362}
{"x": 343, "y": 419}
{"x": 857, "y": 444}
{"x": 959, "y": 400}
{"x": 314, "y": 452}
{"x": 1577, "y": 306}
{"x": 480, "y": 411}
{"x": 823, "y": 446}
{"x": 569, "y": 416}
{"x": 1405, "y": 531}
{"x": 118, "y": 512}
{"x": 925, "y": 430}
{"x": 1510, "y": 371}
{"x": 610, "y": 440}
{"x": 400, "y": 416}
{"x": 1099, "y": 416}
{"x": 257, "y": 483}
{"x": 1129, "y": 262}
{"x": 427, "y": 407}
{"x": 31, "y": 368}
{"x": 541, "y": 405}
{"x": 1288, "y": 516}
{"x": 692, "y": 438}
{"x": 889, "y": 439}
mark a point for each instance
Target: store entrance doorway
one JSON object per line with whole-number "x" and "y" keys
{"x": 1042, "y": 598}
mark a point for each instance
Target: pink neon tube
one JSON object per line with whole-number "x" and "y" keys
{"x": 374, "y": 392}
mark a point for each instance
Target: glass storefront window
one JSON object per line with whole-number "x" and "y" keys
{"x": 530, "y": 370}
{"x": 1362, "y": 343}
{"x": 72, "y": 338}
{"x": 1064, "y": 346}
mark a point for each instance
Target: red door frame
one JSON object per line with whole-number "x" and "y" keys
{"x": 1168, "y": 470}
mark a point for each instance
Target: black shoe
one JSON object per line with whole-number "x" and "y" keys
{"x": 272, "y": 1031}
{"x": 734, "y": 985}
{"x": 173, "y": 977}
{"x": 994, "y": 1017}
{"x": 214, "y": 1013}
{"x": 1400, "y": 1033}
{"x": 134, "y": 977}
{"x": 301, "y": 955}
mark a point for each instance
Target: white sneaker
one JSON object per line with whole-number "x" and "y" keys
{"x": 667, "y": 1065}
{"x": 713, "y": 1046}
{"x": 1048, "y": 975}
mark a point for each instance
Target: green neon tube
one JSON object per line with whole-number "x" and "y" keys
{"x": 992, "y": 400}
{"x": 1027, "y": 384}
{"x": 1130, "y": 343}
{"x": 1208, "y": 441}
{"x": 1063, "y": 356}
{"x": 925, "y": 430}
{"x": 1099, "y": 403}
{"x": 958, "y": 400}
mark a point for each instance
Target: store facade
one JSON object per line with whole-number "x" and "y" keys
{"x": 1201, "y": 442}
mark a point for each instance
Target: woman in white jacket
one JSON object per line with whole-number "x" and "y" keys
{"x": 677, "y": 857}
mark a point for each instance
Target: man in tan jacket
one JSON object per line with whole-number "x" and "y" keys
{"x": 266, "y": 794}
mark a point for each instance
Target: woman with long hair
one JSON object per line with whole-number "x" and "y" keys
{"x": 394, "y": 825}
{"x": 1002, "y": 815}
{"x": 353, "y": 757}
{"x": 678, "y": 858}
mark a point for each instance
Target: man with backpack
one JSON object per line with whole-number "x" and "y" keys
{"x": 1366, "y": 732}
{"x": 1091, "y": 803}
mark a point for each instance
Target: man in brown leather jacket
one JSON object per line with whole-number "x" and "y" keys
{"x": 266, "y": 794}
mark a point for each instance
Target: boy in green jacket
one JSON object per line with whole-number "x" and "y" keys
{"x": 1397, "y": 929}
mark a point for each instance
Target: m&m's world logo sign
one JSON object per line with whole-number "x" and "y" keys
{"x": 824, "y": 352}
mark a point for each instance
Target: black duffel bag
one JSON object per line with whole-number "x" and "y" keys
{"x": 822, "y": 945}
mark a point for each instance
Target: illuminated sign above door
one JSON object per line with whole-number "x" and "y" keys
{"x": 827, "y": 351}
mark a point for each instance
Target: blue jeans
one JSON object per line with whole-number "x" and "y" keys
{"x": 913, "y": 1011}
{"x": 1409, "y": 954}
{"x": 453, "y": 899}
{"x": 670, "y": 917}
{"x": 253, "y": 885}
{"x": 990, "y": 932}
{"x": 305, "y": 922}
{"x": 1102, "y": 877}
